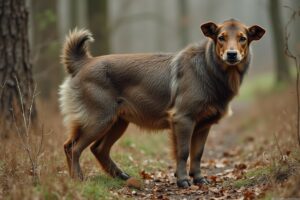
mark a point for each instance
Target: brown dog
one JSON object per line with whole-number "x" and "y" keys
{"x": 186, "y": 92}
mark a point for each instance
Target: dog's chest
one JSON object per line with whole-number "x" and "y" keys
{"x": 211, "y": 114}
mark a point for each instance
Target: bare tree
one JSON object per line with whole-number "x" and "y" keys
{"x": 15, "y": 66}
{"x": 282, "y": 66}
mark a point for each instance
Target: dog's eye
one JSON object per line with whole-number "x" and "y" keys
{"x": 243, "y": 39}
{"x": 221, "y": 38}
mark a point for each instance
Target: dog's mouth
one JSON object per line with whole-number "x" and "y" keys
{"x": 232, "y": 61}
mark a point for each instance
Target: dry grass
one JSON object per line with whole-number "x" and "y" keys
{"x": 54, "y": 182}
{"x": 136, "y": 151}
{"x": 272, "y": 122}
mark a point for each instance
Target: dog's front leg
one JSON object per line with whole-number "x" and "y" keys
{"x": 182, "y": 128}
{"x": 197, "y": 146}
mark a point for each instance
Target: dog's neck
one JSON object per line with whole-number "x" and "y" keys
{"x": 232, "y": 77}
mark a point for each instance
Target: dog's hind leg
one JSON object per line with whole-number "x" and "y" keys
{"x": 101, "y": 149}
{"x": 87, "y": 135}
{"x": 73, "y": 136}
{"x": 197, "y": 146}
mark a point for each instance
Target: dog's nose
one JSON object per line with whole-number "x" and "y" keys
{"x": 231, "y": 55}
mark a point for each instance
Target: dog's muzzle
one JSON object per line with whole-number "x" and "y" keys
{"x": 232, "y": 57}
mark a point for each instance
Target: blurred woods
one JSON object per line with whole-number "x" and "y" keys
{"x": 281, "y": 69}
{"x": 256, "y": 145}
{"x": 149, "y": 26}
{"x": 128, "y": 26}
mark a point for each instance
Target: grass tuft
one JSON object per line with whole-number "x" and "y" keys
{"x": 254, "y": 177}
{"x": 99, "y": 187}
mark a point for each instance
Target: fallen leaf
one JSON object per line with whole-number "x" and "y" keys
{"x": 241, "y": 166}
{"x": 249, "y": 195}
{"x": 145, "y": 175}
{"x": 220, "y": 165}
{"x": 134, "y": 183}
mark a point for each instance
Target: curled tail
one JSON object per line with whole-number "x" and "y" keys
{"x": 75, "y": 50}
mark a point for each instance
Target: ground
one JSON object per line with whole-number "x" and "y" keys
{"x": 252, "y": 155}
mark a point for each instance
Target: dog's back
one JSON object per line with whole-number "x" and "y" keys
{"x": 127, "y": 83}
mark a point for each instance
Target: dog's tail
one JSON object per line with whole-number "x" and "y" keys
{"x": 75, "y": 50}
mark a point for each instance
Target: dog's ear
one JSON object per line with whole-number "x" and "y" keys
{"x": 209, "y": 29}
{"x": 255, "y": 32}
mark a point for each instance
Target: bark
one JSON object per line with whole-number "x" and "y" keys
{"x": 64, "y": 18}
{"x": 30, "y": 23}
{"x": 15, "y": 66}
{"x": 183, "y": 20}
{"x": 98, "y": 15}
{"x": 281, "y": 65}
{"x": 81, "y": 10}
{"x": 296, "y": 5}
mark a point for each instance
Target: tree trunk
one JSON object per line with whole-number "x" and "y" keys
{"x": 183, "y": 22}
{"x": 81, "y": 16}
{"x": 98, "y": 15}
{"x": 15, "y": 67}
{"x": 64, "y": 18}
{"x": 30, "y": 23}
{"x": 296, "y": 33}
{"x": 281, "y": 65}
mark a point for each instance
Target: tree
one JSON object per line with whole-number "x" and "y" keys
{"x": 64, "y": 18}
{"x": 16, "y": 95}
{"x": 81, "y": 10}
{"x": 281, "y": 66}
{"x": 183, "y": 26}
{"x": 296, "y": 5}
{"x": 98, "y": 15}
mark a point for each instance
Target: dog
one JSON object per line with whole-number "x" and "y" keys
{"x": 186, "y": 92}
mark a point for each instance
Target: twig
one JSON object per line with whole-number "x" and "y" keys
{"x": 277, "y": 144}
{"x": 32, "y": 153}
{"x": 22, "y": 102}
{"x": 292, "y": 55}
{"x": 30, "y": 108}
{"x": 25, "y": 145}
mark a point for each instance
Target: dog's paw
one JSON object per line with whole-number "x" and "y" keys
{"x": 124, "y": 176}
{"x": 184, "y": 183}
{"x": 200, "y": 181}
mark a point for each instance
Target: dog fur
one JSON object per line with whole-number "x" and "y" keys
{"x": 185, "y": 92}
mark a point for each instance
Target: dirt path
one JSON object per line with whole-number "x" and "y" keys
{"x": 222, "y": 164}
{"x": 242, "y": 160}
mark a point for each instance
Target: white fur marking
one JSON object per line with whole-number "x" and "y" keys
{"x": 70, "y": 105}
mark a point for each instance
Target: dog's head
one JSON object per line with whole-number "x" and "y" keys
{"x": 232, "y": 39}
